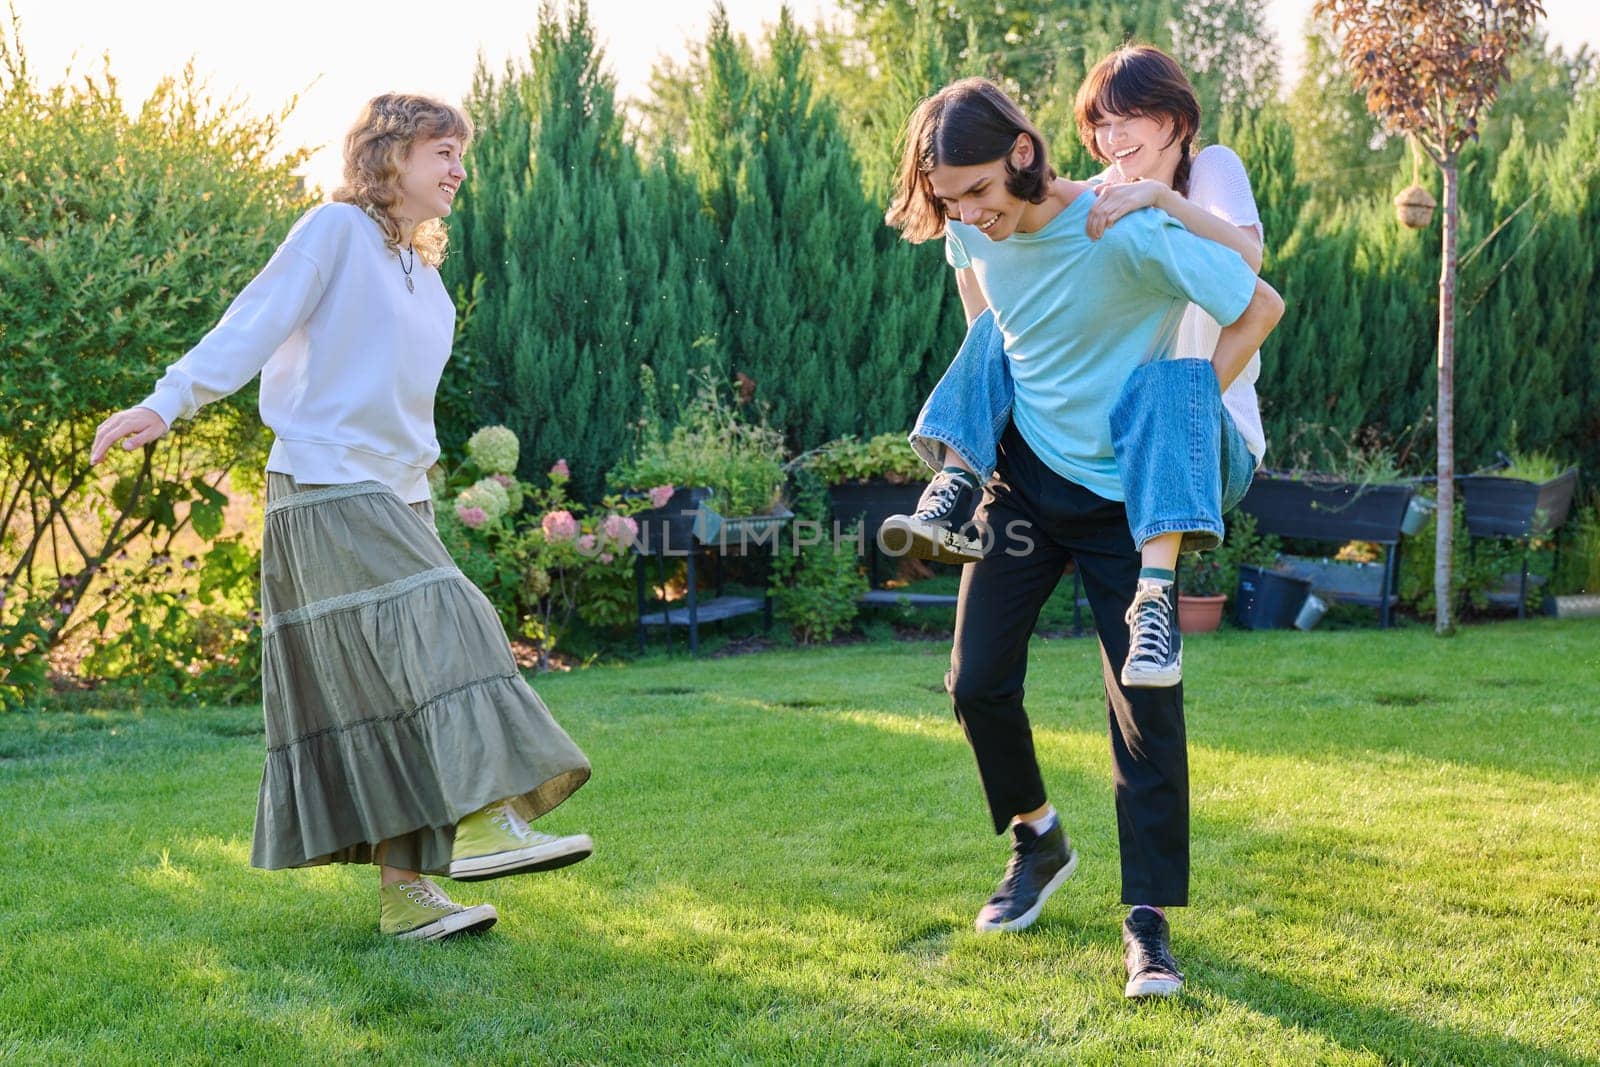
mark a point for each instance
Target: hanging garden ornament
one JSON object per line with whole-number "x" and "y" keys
{"x": 1414, "y": 206}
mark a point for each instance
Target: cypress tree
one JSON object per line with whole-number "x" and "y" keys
{"x": 1265, "y": 142}
{"x": 757, "y": 245}
{"x": 567, "y": 258}
{"x": 796, "y": 265}
{"x": 917, "y": 320}
{"x": 1572, "y": 174}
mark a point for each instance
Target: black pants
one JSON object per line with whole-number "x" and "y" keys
{"x": 1039, "y": 521}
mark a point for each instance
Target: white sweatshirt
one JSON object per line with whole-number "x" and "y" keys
{"x": 349, "y": 358}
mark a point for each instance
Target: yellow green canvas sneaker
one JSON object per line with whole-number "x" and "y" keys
{"x": 495, "y": 841}
{"x": 419, "y": 911}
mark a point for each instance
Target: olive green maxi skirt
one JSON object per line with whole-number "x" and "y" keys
{"x": 393, "y": 706}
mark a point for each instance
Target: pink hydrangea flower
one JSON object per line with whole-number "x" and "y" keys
{"x": 586, "y": 544}
{"x": 606, "y": 557}
{"x": 619, "y": 529}
{"x": 472, "y": 518}
{"x": 660, "y": 495}
{"x": 560, "y": 469}
{"x": 559, "y": 526}
{"x": 504, "y": 479}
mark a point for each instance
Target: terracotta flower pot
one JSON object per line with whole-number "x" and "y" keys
{"x": 1199, "y": 614}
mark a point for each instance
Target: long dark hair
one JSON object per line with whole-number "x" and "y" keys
{"x": 1140, "y": 80}
{"x": 967, "y": 123}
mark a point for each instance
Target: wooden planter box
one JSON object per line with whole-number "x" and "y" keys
{"x": 869, "y": 503}
{"x": 681, "y": 527}
{"x": 742, "y": 531}
{"x": 669, "y": 529}
{"x": 1326, "y": 509}
{"x": 1512, "y": 507}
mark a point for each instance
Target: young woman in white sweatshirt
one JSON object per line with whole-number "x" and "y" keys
{"x": 399, "y": 730}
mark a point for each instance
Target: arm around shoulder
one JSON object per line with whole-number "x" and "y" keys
{"x": 1245, "y": 240}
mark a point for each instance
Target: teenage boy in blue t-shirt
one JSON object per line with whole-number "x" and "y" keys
{"x": 1076, "y": 317}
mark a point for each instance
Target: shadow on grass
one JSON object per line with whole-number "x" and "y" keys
{"x": 1362, "y": 1027}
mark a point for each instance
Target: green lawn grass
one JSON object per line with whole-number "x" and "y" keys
{"x": 1396, "y": 860}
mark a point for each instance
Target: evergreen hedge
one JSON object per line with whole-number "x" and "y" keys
{"x": 754, "y": 244}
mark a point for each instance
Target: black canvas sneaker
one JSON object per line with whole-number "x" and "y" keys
{"x": 1155, "y": 647}
{"x": 935, "y": 531}
{"x": 1147, "y": 949}
{"x": 1039, "y": 864}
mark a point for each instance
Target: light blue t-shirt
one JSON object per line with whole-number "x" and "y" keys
{"x": 1079, "y": 315}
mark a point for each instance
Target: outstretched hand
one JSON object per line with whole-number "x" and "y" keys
{"x": 1112, "y": 201}
{"x": 139, "y": 426}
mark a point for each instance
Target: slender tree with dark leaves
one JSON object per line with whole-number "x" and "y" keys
{"x": 1430, "y": 68}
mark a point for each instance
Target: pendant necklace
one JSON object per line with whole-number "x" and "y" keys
{"x": 405, "y": 267}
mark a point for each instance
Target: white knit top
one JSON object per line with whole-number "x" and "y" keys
{"x": 349, "y": 358}
{"x": 1218, "y": 183}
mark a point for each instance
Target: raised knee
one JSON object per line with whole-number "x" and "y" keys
{"x": 972, "y": 687}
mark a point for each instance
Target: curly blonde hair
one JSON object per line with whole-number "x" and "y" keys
{"x": 374, "y": 150}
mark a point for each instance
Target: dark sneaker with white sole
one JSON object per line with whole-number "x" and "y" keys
{"x": 1039, "y": 864}
{"x": 1147, "y": 950}
{"x": 939, "y": 528}
{"x": 1155, "y": 646}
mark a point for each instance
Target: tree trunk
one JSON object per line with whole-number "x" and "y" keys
{"x": 1443, "y": 578}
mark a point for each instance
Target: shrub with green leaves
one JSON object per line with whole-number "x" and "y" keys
{"x": 1532, "y": 467}
{"x": 715, "y": 444}
{"x": 1579, "y": 569}
{"x": 817, "y": 589}
{"x": 126, "y": 235}
{"x": 887, "y": 456}
{"x": 1216, "y": 573}
{"x": 1480, "y": 566}
{"x": 542, "y": 559}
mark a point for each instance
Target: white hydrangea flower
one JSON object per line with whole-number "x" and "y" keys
{"x": 494, "y": 450}
{"x": 488, "y": 495}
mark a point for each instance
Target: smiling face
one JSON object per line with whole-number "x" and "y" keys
{"x": 1140, "y": 146}
{"x": 429, "y": 177}
{"x": 977, "y": 194}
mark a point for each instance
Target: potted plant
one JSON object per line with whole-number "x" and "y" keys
{"x": 1527, "y": 495}
{"x": 868, "y": 480}
{"x": 1525, "y": 498}
{"x": 727, "y": 470}
{"x": 1202, "y": 593}
{"x": 1206, "y": 579}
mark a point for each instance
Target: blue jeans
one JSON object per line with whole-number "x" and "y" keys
{"x": 971, "y": 406}
{"x": 1183, "y": 462}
